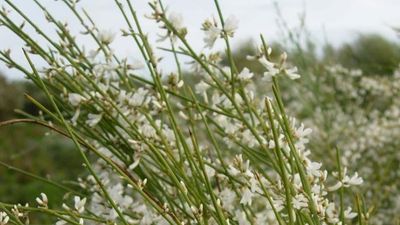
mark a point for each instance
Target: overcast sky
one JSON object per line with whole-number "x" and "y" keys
{"x": 336, "y": 21}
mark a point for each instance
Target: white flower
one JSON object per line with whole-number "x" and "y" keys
{"x": 292, "y": 73}
{"x": 148, "y": 131}
{"x": 313, "y": 168}
{"x": 331, "y": 214}
{"x": 201, "y": 87}
{"x": 247, "y": 197}
{"x": 93, "y": 119}
{"x": 74, "y": 119}
{"x": 212, "y": 32}
{"x": 283, "y": 57}
{"x": 231, "y": 25}
{"x": 176, "y": 20}
{"x": 61, "y": 222}
{"x": 43, "y": 201}
{"x": 174, "y": 81}
{"x": 300, "y": 201}
{"x": 246, "y": 74}
{"x": 16, "y": 211}
{"x": 233, "y": 171}
{"x": 106, "y": 36}
{"x": 209, "y": 171}
{"x": 134, "y": 164}
{"x": 139, "y": 98}
{"x": 302, "y": 132}
{"x": 270, "y": 66}
{"x": 180, "y": 84}
{"x": 297, "y": 182}
{"x": 318, "y": 190}
{"x": 135, "y": 65}
{"x": 4, "y": 218}
{"x": 241, "y": 218}
{"x": 278, "y": 204}
{"x": 352, "y": 181}
{"x": 75, "y": 99}
{"x": 212, "y": 35}
{"x": 183, "y": 115}
{"x": 254, "y": 185}
{"x": 348, "y": 214}
{"x": 335, "y": 187}
{"x": 248, "y": 139}
{"x": 347, "y": 181}
{"x": 79, "y": 204}
{"x": 227, "y": 197}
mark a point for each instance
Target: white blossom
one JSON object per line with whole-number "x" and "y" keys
{"x": 201, "y": 87}
{"x": 211, "y": 35}
{"x": 79, "y": 204}
{"x": 270, "y": 66}
{"x": 313, "y": 168}
{"x": 61, "y": 222}
{"x": 347, "y": 181}
{"x": 42, "y": 200}
{"x": 106, "y": 36}
{"x": 231, "y": 25}
{"x": 93, "y": 119}
{"x": 332, "y": 214}
{"x": 75, "y": 117}
{"x": 75, "y": 99}
{"x": 241, "y": 217}
{"x": 227, "y": 197}
{"x": 348, "y": 214}
{"x": 4, "y": 218}
{"x": 209, "y": 171}
{"x": 292, "y": 73}
{"x": 139, "y": 98}
{"x": 247, "y": 197}
{"x": 246, "y": 74}
{"x": 300, "y": 201}
{"x": 353, "y": 180}
{"x": 148, "y": 131}
{"x": 176, "y": 20}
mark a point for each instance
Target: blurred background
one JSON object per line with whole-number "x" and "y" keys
{"x": 31, "y": 148}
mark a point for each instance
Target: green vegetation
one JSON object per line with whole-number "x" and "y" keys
{"x": 31, "y": 148}
{"x": 276, "y": 134}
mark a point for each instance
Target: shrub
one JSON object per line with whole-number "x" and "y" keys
{"x": 158, "y": 152}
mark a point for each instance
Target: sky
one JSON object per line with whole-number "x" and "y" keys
{"x": 335, "y": 21}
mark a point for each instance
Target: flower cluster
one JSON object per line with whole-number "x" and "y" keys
{"x": 159, "y": 152}
{"x": 4, "y": 218}
{"x": 363, "y": 123}
{"x": 212, "y": 31}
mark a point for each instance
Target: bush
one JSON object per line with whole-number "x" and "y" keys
{"x": 159, "y": 152}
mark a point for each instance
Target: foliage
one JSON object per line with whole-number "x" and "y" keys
{"x": 373, "y": 54}
{"x": 159, "y": 151}
{"x": 8, "y": 100}
{"x": 354, "y": 111}
{"x": 31, "y": 148}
